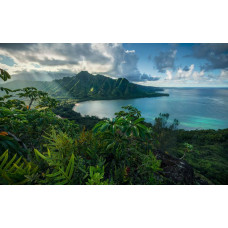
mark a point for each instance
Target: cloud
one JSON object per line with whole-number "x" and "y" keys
{"x": 224, "y": 75}
{"x": 215, "y": 54}
{"x": 198, "y": 75}
{"x": 124, "y": 64}
{"x": 184, "y": 73}
{"x": 165, "y": 60}
{"x": 169, "y": 75}
{"x": 53, "y": 54}
{"x": 130, "y": 51}
{"x": 146, "y": 77}
{"x": 42, "y": 59}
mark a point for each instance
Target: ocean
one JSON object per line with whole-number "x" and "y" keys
{"x": 195, "y": 108}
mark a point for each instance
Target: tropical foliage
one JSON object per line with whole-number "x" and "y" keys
{"x": 42, "y": 141}
{"x": 56, "y": 151}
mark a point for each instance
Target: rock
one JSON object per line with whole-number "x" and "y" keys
{"x": 176, "y": 171}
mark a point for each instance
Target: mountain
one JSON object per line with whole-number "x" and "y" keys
{"x": 85, "y": 86}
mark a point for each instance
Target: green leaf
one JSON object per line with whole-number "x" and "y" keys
{"x": 104, "y": 127}
{"x": 70, "y": 167}
{"x": 40, "y": 155}
{"x": 10, "y": 162}
{"x": 139, "y": 120}
{"x": 128, "y": 132}
{"x": 3, "y": 155}
{"x": 16, "y": 163}
{"x": 54, "y": 174}
{"x": 97, "y": 126}
{"x": 142, "y": 126}
{"x": 135, "y": 131}
{"x": 114, "y": 129}
{"x": 111, "y": 145}
{"x": 4, "y": 160}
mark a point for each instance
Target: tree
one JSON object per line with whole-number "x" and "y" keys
{"x": 4, "y": 75}
{"x": 33, "y": 94}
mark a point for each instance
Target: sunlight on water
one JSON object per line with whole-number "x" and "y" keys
{"x": 203, "y": 123}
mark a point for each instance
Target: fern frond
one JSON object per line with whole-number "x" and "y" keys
{"x": 15, "y": 171}
{"x": 4, "y": 159}
{"x": 64, "y": 177}
{"x": 60, "y": 175}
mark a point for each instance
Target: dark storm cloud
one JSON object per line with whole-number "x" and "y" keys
{"x": 125, "y": 65}
{"x": 109, "y": 59}
{"x": 215, "y": 54}
{"x": 15, "y": 46}
{"x": 146, "y": 77}
{"x": 141, "y": 77}
{"x": 186, "y": 68}
{"x": 70, "y": 54}
{"x": 53, "y": 62}
{"x": 165, "y": 60}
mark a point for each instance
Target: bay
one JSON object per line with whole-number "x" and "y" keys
{"x": 195, "y": 108}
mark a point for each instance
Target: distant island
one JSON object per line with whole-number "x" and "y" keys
{"x": 85, "y": 86}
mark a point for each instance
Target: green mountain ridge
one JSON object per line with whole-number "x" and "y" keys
{"x": 85, "y": 86}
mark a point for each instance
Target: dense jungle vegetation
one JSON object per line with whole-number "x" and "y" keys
{"x": 42, "y": 141}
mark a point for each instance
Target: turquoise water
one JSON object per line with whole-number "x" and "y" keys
{"x": 195, "y": 108}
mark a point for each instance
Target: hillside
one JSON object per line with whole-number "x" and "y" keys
{"x": 51, "y": 144}
{"x": 85, "y": 86}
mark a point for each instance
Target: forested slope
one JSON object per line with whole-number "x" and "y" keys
{"x": 85, "y": 86}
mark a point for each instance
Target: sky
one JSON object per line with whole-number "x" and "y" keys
{"x": 151, "y": 64}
